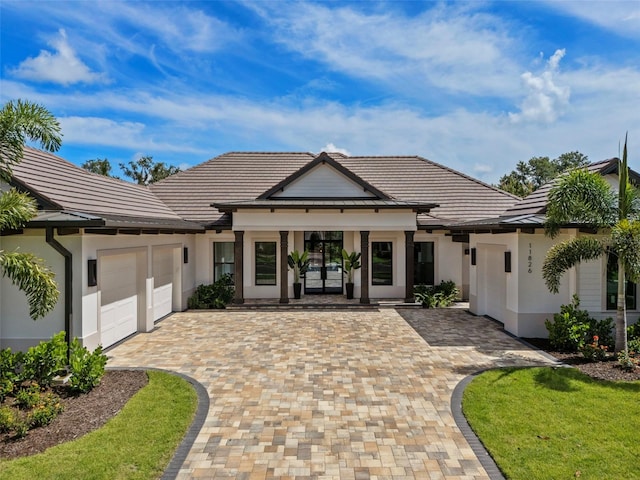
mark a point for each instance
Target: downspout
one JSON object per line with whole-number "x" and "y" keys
{"x": 68, "y": 283}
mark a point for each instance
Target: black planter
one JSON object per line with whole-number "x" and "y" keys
{"x": 297, "y": 289}
{"x": 349, "y": 290}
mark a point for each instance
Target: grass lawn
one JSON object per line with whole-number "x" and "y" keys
{"x": 556, "y": 423}
{"x": 138, "y": 443}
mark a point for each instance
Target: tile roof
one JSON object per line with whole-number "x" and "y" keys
{"x": 60, "y": 185}
{"x": 245, "y": 176}
{"x": 536, "y": 202}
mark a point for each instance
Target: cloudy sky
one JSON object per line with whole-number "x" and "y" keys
{"x": 476, "y": 86}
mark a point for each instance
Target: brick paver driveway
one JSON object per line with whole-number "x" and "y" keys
{"x": 327, "y": 394}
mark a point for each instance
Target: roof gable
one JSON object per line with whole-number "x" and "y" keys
{"x": 323, "y": 177}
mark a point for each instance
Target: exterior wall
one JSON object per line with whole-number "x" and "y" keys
{"x": 251, "y": 290}
{"x": 17, "y": 329}
{"x": 451, "y": 263}
{"x": 527, "y": 301}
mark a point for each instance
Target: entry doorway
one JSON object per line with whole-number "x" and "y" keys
{"x": 325, "y": 268}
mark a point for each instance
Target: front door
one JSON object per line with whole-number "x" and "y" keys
{"x": 325, "y": 268}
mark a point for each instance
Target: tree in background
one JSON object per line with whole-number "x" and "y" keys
{"x": 530, "y": 176}
{"x": 101, "y": 166}
{"x": 145, "y": 171}
{"x": 583, "y": 197}
{"x": 21, "y": 121}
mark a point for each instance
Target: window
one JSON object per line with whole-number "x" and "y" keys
{"x": 381, "y": 263}
{"x": 265, "y": 263}
{"x": 612, "y": 286}
{"x": 423, "y": 273}
{"x": 223, "y": 259}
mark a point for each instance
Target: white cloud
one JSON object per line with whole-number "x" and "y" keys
{"x": 546, "y": 100}
{"x": 62, "y": 66}
{"x": 451, "y": 47}
{"x": 482, "y": 168}
{"x": 105, "y": 132}
{"x": 621, "y": 17}
{"x": 331, "y": 148}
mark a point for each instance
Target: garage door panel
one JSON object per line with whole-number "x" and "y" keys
{"x": 162, "y": 282}
{"x": 119, "y": 298}
{"x": 494, "y": 284}
{"x": 162, "y": 301}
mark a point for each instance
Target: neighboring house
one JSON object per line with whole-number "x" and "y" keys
{"x": 134, "y": 254}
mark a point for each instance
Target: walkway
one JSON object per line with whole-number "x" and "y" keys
{"x": 327, "y": 395}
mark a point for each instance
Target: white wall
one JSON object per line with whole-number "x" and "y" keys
{"x": 17, "y": 328}
{"x": 323, "y": 181}
{"x": 450, "y": 260}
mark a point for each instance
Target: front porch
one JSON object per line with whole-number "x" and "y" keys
{"x": 328, "y": 302}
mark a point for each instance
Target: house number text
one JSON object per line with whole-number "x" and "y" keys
{"x": 530, "y": 260}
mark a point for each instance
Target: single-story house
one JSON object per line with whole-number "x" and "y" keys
{"x": 127, "y": 255}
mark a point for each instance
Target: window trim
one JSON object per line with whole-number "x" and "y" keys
{"x": 255, "y": 263}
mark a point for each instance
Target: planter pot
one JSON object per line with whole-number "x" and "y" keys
{"x": 349, "y": 290}
{"x": 297, "y": 289}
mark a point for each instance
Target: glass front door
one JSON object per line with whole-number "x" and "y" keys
{"x": 325, "y": 268}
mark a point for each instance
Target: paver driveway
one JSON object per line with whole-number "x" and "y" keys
{"x": 327, "y": 394}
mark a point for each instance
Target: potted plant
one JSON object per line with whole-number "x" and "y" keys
{"x": 299, "y": 263}
{"x": 351, "y": 263}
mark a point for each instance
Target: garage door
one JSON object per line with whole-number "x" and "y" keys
{"x": 119, "y": 298}
{"x": 494, "y": 285}
{"x": 162, "y": 282}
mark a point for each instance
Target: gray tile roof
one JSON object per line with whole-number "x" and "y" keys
{"x": 245, "y": 176}
{"x": 536, "y": 203}
{"x": 60, "y": 185}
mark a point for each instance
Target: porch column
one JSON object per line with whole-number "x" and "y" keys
{"x": 238, "y": 250}
{"x": 364, "y": 259}
{"x": 284, "y": 267}
{"x": 409, "y": 266}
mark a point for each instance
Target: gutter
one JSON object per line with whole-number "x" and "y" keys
{"x": 68, "y": 283}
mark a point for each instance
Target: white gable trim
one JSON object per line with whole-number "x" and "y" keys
{"x": 323, "y": 181}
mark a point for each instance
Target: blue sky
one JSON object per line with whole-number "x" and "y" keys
{"x": 476, "y": 86}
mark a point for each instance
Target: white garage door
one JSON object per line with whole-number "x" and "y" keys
{"x": 494, "y": 284}
{"x": 162, "y": 282}
{"x": 119, "y": 298}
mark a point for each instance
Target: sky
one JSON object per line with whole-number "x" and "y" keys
{"x": 476, "y": 86}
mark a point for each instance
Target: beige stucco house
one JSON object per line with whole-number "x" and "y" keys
{"x": 127, "y": 255}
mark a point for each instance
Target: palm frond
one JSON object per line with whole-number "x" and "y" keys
{"x": 33, "y": 277}
{"x": 562, "y": 256}
{"x": 581, "y": 197}
{"x": 16, "y": 209}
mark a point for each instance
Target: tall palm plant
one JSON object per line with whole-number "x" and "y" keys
{"x": 21, "y": 121}
{"x": 583, "y": 197}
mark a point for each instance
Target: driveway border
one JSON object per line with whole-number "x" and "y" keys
{"x": 202, "y": 410}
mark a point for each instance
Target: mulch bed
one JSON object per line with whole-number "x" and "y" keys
{"x": 81, "y": 414}
{"x": 606, "y": 370}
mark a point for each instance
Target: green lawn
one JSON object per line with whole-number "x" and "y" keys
{"x": 556, "y": 423}
{"x": 138, "y": 443}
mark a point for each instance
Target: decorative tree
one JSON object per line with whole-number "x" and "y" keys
{"x": 145, "y": 171}
{"x": 583, "y": 197}
{"x": 21, "y": 121}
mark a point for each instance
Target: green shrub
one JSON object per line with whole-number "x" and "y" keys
{"x": 44, "y": 361}
{"x": 8, "y": 419}
{"x": 569, "y": 328}
{"x": 47, "y": 409}
{"x": 628, "y": 361}
{"x": 594, "y": 351}
{"x": 603, "y": 329}
{"x": 634, "y": 346}
{"x": 87, "y": 369}
{"x": 633, "y": 331}
{"x": 216, "y": 295}
{"x": 28, "y": 397}
{"x": 438, "y": 296}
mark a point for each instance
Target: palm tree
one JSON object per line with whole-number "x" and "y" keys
{"x": 583, "y": 197}
{"x": 21, "y": 121}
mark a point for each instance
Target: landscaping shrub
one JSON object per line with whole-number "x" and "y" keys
{"x": 569, "y": 327}
{"x": 86, "y": 368}
{"x": 43, "y": 362}
{"x": 594, "y": 351}
{"x": 437, "y": 296}
{"x": 603, "y": 329}
{"x": 216, "y": 295}
{"x": 28, "y": 396}
{"x": 9, "y": 364}
{"x": 45, "y": 411}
